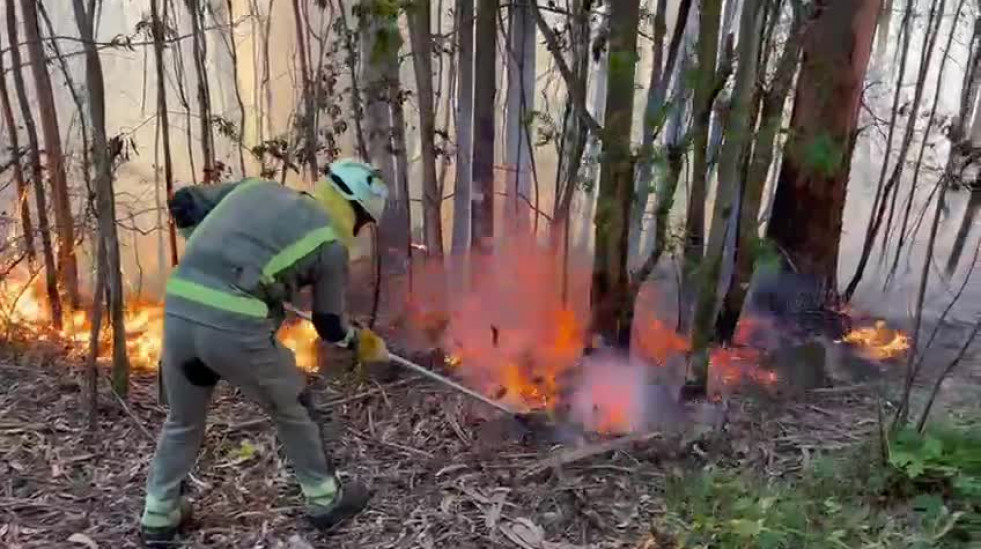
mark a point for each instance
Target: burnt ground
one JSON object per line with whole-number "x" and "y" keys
{"x": 445, "y": 474}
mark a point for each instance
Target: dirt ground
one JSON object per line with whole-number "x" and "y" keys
{"x": 445, "y": 473}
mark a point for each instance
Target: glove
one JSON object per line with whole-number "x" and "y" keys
{"x": 370, "y": 347}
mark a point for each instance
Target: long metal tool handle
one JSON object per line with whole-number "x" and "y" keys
{"x": 406, "y": 363}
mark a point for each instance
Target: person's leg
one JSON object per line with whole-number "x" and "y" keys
{"x": 188, "y": 387}
{"x": 266, "y": 371}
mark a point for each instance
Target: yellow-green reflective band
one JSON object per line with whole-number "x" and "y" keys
{"x": 297, "y": 251}
{"x": 243, "y": 305}
{"x": 322, "y": 493}
{"x": 158, "y": 513}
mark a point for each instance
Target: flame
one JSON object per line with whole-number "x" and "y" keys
{"x": 878, "y": 342}
{"x": 23, "y": 308}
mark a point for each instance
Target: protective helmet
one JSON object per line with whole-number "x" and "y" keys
{"x": 361, "y": 183}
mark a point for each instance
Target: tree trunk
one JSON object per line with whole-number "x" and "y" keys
{"x": 738, "y": 130}
{"x": 810, "y": 197}
{"x": 882, "y": 42}
{"x": 23, "y": 208}
{"x": 37, "y": 175}
{"x": 420, "y": 19}
{"x": 610, "y": 287}
{"x": 520, "y": 105}
{"x": 654, "y": 112}
{"x": 105, "y": 198}
{"x": 95, "y": 333}
{"x": 708, "y": 45}
{"x": 485, "y": 90}
{"x": 309, "y": 107}
{"x": 55, "y": 160}
{"x": 967, "y": 223}
{"x": 771, "y": 120}
{"x": 594, "y": 149}
{"x": 199, "y": 44}
{"x": 163, "y": 115}
{"x": 380, "y": 43}
{"x": 462, "y": 195}
{"x": 240, "y": 103}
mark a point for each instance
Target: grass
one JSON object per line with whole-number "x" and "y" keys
{"x": 927, "y": 494}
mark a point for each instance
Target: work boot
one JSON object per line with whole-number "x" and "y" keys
{"x": 164, "y": 535}
{"x": 350, "y": 500}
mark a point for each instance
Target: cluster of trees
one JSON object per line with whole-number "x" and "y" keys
{"x": 737, "y": 141}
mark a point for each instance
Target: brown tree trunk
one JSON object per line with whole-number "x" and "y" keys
{"x": 23, "y": 208}
{"x": 610, "y": 288}
{"x": 163, "y": 115}
{"x": 240, "y": 103}
{"x": 37, "y": 175}
{"x": 420, "y": 18}
{"x": 810, "y": 197}
{"x": 485, "y": 90}
{"x": 55, "y": 160}
{"x": 199, "y": 44}
{"x": 105, "y": 198}
{"x": 771, "y": 120}
{"x": 309, "y": 127}
{"x": 462, "y": 195}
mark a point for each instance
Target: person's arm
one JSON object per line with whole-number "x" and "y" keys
{"x": 329, "y": 280}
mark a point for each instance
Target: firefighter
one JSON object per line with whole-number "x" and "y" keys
{"x": 251, "y": 246}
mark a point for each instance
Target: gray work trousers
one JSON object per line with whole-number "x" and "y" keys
{"x": 263, "y": 370}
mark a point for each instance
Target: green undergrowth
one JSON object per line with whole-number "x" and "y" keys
{"x": 926, "y": 494}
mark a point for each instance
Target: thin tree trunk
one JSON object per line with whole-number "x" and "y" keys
{"x": 76, "y": 98}
{"x": 520, "y": 103}
{"x": 653, "y": 112}
{"x": 55, "y": 160}
{"x": 105, "y": 198}
{"x": 882, "y": 42}
{"x": 738, "y": 130}
{"x": 610, "y": 288}
{"x": 163, "y": 117}
{"x": 37, "y": 176}
{"x": 23, "y": 208}
{"x": 95, "y": 334}
{"x": 180, "y": 77}
{"x": 810, "y": 196}
{"x": 204, "y": 95}
{"x": 420, "y": 19}
{"x": 708, "y": 45}
{"x": 233, "y": 53}
{"x": 485, "y": 90}
{"x": 309, "y": 127}
{"x": 925, "y": 140}
{"x": 462, "y": 194}
{"x": 771, "y": 120}
{"x": 352, "y": 64}
{"x": 894, "y": 179}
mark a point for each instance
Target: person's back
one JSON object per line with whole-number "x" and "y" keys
{"x": 250, "y": 249}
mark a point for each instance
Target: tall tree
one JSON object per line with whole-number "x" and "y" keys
{"x": 104, "y": 195}
{"x": 753, "y": 182}
{"x": 23, "y": 208}
{"x": 37, "y": 175}
{"x": 200, "y": 55}
{"x": 159, "y": 30}
{"x": 738, "y": 129}
{"x": 55, "y": 160}
{"x": 309, "y": 105}
{"x": 610, "y": 288}
{"x": 520, "y": 105}
{"x": 810, "y": 197}
{"x": 485, "y": 90}
{"x": 240, "y": 103}
{"x": 462, "y": 194}
{"x": 380, "y": 43}
{"x": 420, "y": 34}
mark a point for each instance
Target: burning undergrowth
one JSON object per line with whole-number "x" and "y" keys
{"x": 512, "y": 336}
{"x": 24, "y": 312}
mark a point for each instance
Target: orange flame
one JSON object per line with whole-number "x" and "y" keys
{"x": 23, "y": 307}
{"x": 878, "y": 342}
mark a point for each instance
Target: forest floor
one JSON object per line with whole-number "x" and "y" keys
{"x": 444, "y": 474}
